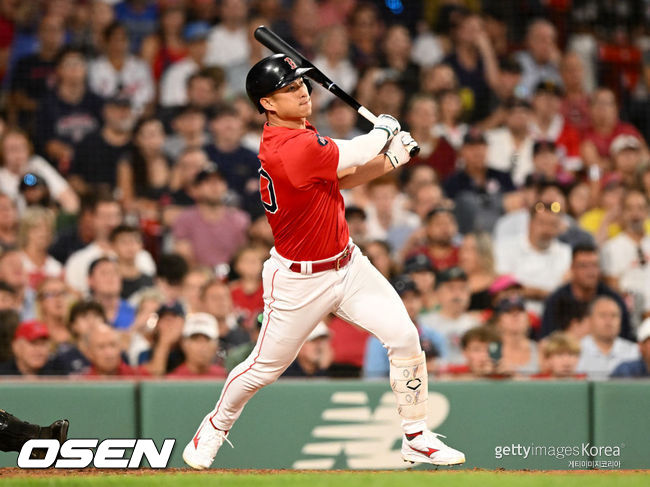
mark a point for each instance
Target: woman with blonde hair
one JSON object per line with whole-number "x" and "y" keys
{"x": 35, "y": 234}
{"x": 476, "y": 258}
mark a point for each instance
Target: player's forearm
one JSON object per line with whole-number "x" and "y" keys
{"x": 356, "y": 176}
{"x": 360, "y": 150}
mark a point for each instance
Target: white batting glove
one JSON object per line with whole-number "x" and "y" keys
{"x": 398, "y": 152}
{"x": 389, "y": 124}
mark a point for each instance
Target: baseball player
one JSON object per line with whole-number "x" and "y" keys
{"x": 315, "y": 268}
{"x": 14, "y": 433}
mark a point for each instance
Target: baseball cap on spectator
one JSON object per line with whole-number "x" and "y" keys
{"x": 201, "y": 324}
{"x": 543, "y": 146}
{"x": 502, "y": 283}
{"x": 31, "y": 330}
{"x": 510, "y": 303}
{"x": 196, "y": 31}
{"x": 355, "y": 211}
{"x": 549, "y": 86}
{"x": 644, "y": 331}
{"x": 418, "y": 263}
{"x": 319, "y": 331}
{"x": 404, "y": 284}
{"x": 207, "y": 172}
{"x": 516, "y": 102}
{"x": 173, "y": 309}
{"x": 473, "y": 137}
{"x": 119, "y": 100}
{"x": 623, "y": 142}
{"x": 449, "y": 275}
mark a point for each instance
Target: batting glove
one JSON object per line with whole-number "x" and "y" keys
{"x": 389, "y": 124}
{"x": 398, "y": 152}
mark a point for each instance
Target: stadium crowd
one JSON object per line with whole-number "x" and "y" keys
{"x": 132, "y": 236}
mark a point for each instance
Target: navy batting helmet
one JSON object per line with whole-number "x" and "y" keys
{"x": 271, "y": 74}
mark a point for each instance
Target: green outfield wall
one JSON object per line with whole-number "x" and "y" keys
{"x": 353, "y": 424}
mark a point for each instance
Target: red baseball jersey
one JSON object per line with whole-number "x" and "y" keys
{"x": 299, "y": 188}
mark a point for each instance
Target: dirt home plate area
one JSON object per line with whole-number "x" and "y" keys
{"x": 92, "y": 477}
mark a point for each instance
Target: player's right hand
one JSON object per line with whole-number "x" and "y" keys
{"x": 399, "y": 149}
{"x": 389, "y": 124}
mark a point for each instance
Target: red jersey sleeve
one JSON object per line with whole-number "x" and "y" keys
{"x": 309, "y": 158}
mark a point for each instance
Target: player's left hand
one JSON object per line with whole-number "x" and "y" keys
{"x": 389, "y": 124}
{"x": 398, "y": 152}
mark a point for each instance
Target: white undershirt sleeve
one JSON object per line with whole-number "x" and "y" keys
{"x": 361, "y": 149}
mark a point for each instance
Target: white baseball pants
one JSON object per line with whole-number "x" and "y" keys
{"x": 294, "y": 303}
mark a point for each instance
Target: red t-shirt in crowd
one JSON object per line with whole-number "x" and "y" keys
{"x": 214, "y": 371}
{"x": 442, "y": 159}
{"x": 299, "y": 187}
{"x": 439, "y": 263}
{"x": 348, "y": 342}
{"x": 604, "y": 141}
{"x": 248, "y": 305}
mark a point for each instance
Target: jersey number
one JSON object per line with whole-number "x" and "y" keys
{"x": 267, "y": 192}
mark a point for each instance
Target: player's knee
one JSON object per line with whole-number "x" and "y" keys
{"x": 406, "y": 343}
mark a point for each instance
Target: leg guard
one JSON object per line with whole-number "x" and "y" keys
{"x": 14, "y": 433}
{"x": 408, "y": 379}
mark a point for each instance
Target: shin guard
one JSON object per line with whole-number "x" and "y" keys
{"x": 408, "y": 379}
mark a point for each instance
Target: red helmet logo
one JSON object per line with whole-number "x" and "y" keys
{"x": 290, "y": 62}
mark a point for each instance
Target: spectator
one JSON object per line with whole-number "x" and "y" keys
{"x": 33, "y": 73}
{"x": 193, "y": 282}
{"x": 603, "y": 350}
{"x": 140, "y": 19}
{"x": 452, "y": 318}
{"x": 546, "y": 162}
{"x": 165, "y": 46}
{"x": 340, "y": 121}
{"x": 143, "y": 176}
{"x": 560, "y": 354}
{"x": 479, "y": 345}
{"x": 189, "y": 125}
{"x": 451, "y": 125}
{"x": 247, "y": 291}
{"x": 476, "y": 258}
{"x": 8, "y": 299}
{"x": 435, "y": 151}
{"x": 35, "y": 236}
{"x": 605, "y": 127}
{"x": 18, "y": 161}
{"x": 640, "y": 367}
{"x": 396, "y": 58}
{"x": 315, "y": 355}
{"x": 603, "y": 220}
{"x": 69, "y": 240}
{"x": 126, "y": 242}
{"x": 13, "y": 273}
{"x": 90, "y": 40}
{"x": 356, "y": 220}
{"x": 206, "y": 89}
{"x": 507, "y": 88}
{"x": 575, "y": 105}
{"x": 199, "y": 344}
{"x": 584, "y": 286}
{"x": 510, "y": 148}
{"x": 537, "y": 260}
{"x": 386, "y": 220}
{"x": 365, "y": 33}
{"x": 102, "y": 345}
{"x": 427, "y": 197}
{"x": 519, "y": 353}
{"x": 217, "y": 301}
{"x": 379, "y": 253}
{"x": 96, "y": 158}
{"x": 107, "y": 215}
{"x": 119, "y": 73}
{"x": 475, "y": 64}
{"x": 418, "y": 267}
{"x": 237, "y": 164}
{"x": 105, "y": 285}
{"x": 627, "y": 158}
{"x": 165, "y": 353}
{"x": 625, "y": 255}
{"x": 210, "y": 233}
{"x": 31, "y": 349}
{"x": 8, "y": 222}
{"x": 333, "y": 60}
{"x": 550, "y": 125}
{"x": 9, "y": 321}
{"x": 172, "y": 270}
{"x": 173, "y": 84}
{"x": 440, "y": 231}
{"x": 69, "y": 112}
{"x": 477, "y": 189}
{"x": 53, "y": 300}
{"x": 184, "y": 172}
{"x": 72, "y": 357}
{"x": 238, "y": 354}
{"x": 541, "y": 58}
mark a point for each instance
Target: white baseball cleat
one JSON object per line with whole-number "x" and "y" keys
{"x": 425, "y": 447}
{"x": 201, "y": 450}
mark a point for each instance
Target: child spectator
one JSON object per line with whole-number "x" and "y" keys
{"x": 479, "y": 346}
{"x": 559, "y": 355}
{"x": 35, "y": 235}
{"x": 200, "y": 343}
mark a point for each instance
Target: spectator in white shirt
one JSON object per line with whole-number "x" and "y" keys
{"x": 603, "y": 350}
{"x": 541, "y": 58}
{"x": 35, "y": 236}
{"x": 538, "y": 260}
{"x": 173, "y": 84}
{"x": 118, "y": 72}
{"x": 510, "y": 148}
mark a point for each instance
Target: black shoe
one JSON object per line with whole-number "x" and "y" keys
{"x": 56, "y": 431}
